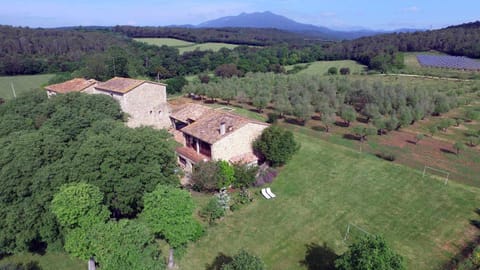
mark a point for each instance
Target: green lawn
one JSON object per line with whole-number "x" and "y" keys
{"x": 321, "y": 67}
{"x": 325, "y": 187}
{"x": 21, "y": 84}
{"x": 185, "y": 46}
{"x": 49, "y": 261}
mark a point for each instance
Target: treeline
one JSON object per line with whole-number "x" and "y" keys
{"x": 31, "y": 51}
{"x": 242, "y": 36}
{"x": 386, "y": 106}
{"x": 73, "y": 138}
{"x": 379, "y": 52}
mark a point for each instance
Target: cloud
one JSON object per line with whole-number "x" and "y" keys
{"x": 412, "y": 9}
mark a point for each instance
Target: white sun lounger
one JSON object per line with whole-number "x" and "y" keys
{"x": 265, "y": 194}
{"x": 270, "y": 193}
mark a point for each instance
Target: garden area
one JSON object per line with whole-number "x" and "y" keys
{"x": 323, "y": 189}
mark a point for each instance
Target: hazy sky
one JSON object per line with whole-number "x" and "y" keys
{"x": 343, "y": 14}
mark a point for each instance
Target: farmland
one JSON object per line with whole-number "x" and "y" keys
{"x": 185, "y": 46}
{"x": 21, "y": 84}
{"x": 321, "y": 67}
{"x": 446, "y": 61}
{"x": 314, "y": 206}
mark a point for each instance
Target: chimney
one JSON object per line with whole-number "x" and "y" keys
{"x": 222, "y": 128}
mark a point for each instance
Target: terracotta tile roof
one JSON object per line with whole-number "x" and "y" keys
{"x": 74, "y": 85}
{"x": 191, "y": 154}
{"x": 207, "y": 128}
{"x": 246, "y": 158}
{"x": 188, "y": 111}
{"x": 119, "y": 85}
{"x": 207, "y": 122}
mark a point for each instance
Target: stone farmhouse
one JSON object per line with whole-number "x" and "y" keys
{"x": 144, "y": 101}
{"x": 74, "y": 85}
{"x": 208, "y": 134}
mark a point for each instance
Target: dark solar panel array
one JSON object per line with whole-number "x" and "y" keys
{"x": 446, "y": 61}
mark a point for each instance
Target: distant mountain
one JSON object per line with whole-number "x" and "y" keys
{"x": 270, "y": 20}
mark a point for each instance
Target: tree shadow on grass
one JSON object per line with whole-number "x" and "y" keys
{"x": 319, "y": 257}
{"x": 219, "y": 261}
{"x": 447, "y": 151}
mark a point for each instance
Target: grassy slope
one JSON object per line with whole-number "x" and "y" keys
{"x": 321, "y": 67}
{"x": 325, "y": 187}
{"x": 21, "y": 84}
{"x": 185, "y": 46}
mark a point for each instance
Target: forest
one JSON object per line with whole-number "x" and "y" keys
{"x": 97, "y": 53}
{"x": 76, "y": 147}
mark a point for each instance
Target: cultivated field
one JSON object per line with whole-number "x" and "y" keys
{"x": 321, "y": 67}
{"x": 185, "y": 46}
{"x": 412, "y": 66}
{"x": 327, "y": 186}
{"x": 21, "y": 84}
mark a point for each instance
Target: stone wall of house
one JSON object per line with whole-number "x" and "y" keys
{"x": 90, "y": 89}
{"x": 146, "y": 105}
{"x": 238, "y": 142}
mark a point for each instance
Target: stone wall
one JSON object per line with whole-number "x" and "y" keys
{"x": 238, "y": 142}
{"x": 146, "y": 105}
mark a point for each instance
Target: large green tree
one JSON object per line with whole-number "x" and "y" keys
{"x": 168, "y": 213}
{"x": 277, "y": 145}
{"x": 79, "y": 205}
{"x": 370, "y": 253}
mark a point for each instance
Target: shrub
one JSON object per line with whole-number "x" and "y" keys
{"x": 244, "y": 261}
{"x": 345, "y": 71}
{"x": 244, "y": 175}
{"x": 241, "y": 198}
{"x": 277, "y": 145}
{"x": 370, "y": 252}
{"x": 272, "y": 118}
{"x": 332, "y": 71}
{"x": 206, "y": 176}
{"x": 265, "y": 175}
{"x": 212, "y": 211}
{"x": 226, "y": 174}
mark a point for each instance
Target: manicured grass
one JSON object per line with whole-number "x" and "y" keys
{"x": 49, "y": 261}
{"x": 325, "y": 187}
{"x": 21, "y": 84}
{"x": 321, "y": 67}
{"x": 185, "y": 46}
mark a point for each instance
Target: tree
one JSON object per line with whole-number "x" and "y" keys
{"x": 212, "y": 210}
{"x": 362, "y": 132}
{"x": 418, "y": 138}
{"x": 277, "y": 145}
{"x": 244, "y": 261}
{"x": 176, "y": 84}
{"x": 332, "y": 71}
{"x": 227, "y": 71}
{"x": 79, "y": 205}
{"x": 348, "y": 114}
{"x": 244, "y": 175}
{"x": 206, "y": 175}
{"x": 328, "y": 118}
{"x": 459, "y": 146}
{"x": 344, "y": 70}
{"x": 433, "y": 129}
{"x": 471, "y": 115}
{"x": 227, "y": 174}
{"x": 168, "y": 212}
{"x": 370, "y": 253}
{"x": 126, "y": 244}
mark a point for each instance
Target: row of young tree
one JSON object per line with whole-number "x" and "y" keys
{"x": 386, "y": 106}
{"x": 75, "y": 138}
